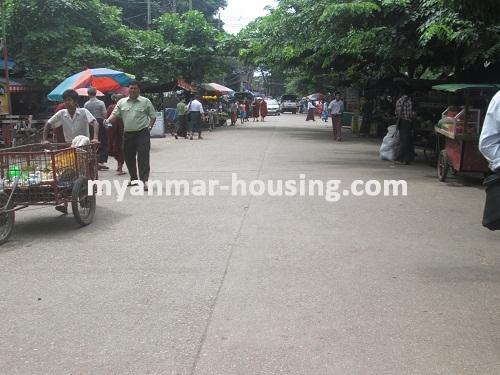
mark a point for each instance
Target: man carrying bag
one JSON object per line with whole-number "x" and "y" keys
{"x": 489, "y": 144}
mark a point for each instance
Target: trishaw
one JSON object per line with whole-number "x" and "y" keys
{"x": 460, "y": 127}
{"x": 46, "y": 175}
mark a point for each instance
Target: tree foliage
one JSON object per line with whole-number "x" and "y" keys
{"x": 71, "y": 35}
{"x": 328, "y": 42}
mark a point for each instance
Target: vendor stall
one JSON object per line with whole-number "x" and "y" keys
{"x": 460, "y": 127}
{"x": 216, "y": 104}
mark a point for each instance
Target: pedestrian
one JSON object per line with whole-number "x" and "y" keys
{"x": 138, "y": 116}
{"x": 181, "y": 124}
{"x": 489, "y": 142}
{"x": 98, "y": 110}
{"x": 247, "y": 109}
{"x": 310, "y": 111}
{"x": 234, "y": 113}
{"x": 324, "y": 113}
{"x": 367, "y": 112}
{"x": 58, "y": 135}
{"x": 196, "y": 115}
{"x": 255, "y": 110}
{"x": 404, "y": 113}
{"x": 263, "y": 110}
{"x": 115, "y": 136}
{"x": 74, "y": 121}
{"x": 336, "y": 109}
{"x": 243, "y": 113}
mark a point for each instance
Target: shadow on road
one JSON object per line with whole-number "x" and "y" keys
{"x": 37, "y": 225}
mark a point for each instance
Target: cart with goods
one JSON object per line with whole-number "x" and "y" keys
{"x": 458, "y": 132}
{"x": 46, "y": 175}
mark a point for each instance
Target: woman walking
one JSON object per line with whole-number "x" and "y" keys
{"x": 115, "y": 136}
{"x": 234, "y": 113}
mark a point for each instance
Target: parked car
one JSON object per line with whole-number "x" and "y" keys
{"x": 289, "y": 103}
{"x": 273, "y": 107}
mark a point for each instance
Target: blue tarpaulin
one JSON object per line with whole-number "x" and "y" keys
{"x": 10, "y": 62}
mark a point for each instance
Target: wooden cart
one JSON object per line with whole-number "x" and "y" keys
{"x": 459, "y": 130}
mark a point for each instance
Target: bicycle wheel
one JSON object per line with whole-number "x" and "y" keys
{"x": 6, "y": 219}
{"x": 82, "y": 204}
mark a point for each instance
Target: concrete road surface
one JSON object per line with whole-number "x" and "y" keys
{"x": 258, "y": 285}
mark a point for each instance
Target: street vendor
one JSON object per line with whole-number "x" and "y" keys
{"x": 489, "y": 142}
{"x": 73, "y": 120}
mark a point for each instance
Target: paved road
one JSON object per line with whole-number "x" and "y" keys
{"x": 258, "y": 285}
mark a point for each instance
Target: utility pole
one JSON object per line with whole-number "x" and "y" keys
{"x": 190, "y": 4}
{"x": 5, "y": 60}
{"x": 174, "y": 6}
{"x": 149, "y": 13}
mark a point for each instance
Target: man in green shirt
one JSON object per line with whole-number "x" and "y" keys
{"x": 182, "y": 123}
{"x": 138, "y": 116}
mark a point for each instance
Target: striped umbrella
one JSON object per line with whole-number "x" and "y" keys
{"x": 103, "y": 79}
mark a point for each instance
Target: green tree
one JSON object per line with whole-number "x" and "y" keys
{"x": 69, "y": 36}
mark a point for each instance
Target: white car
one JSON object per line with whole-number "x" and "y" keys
{"x": 273, "y": 107}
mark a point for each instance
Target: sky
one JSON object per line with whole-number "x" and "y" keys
{"x": 240, "y": 13}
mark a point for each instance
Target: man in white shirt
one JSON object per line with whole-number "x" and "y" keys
{"x": 336, "y": 109}
{"x": 98, "y": 110}
{"x": 196, "y": 113}
{"x": 310, "y": 111}
{"x": 489, "y": 142}
{"x": 74, "y": 121}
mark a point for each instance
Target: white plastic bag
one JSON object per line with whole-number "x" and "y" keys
{"x": 80, "y": 140}
{"x": 390, "y": 145}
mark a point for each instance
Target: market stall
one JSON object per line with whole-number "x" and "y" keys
{"x": 216, "y": 104}
{"x": 166, "y": 96}
{"x": 460, "y": 127}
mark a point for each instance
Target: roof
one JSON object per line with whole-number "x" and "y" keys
{"x": 16, "y": 87}
{"x": 457, "y": 87}
{"x": 169, "y": 86}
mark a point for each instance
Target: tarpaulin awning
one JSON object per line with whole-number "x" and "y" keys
{"x": 215, "y": 87}
{"x": 11, "y": 64}
{"x": 457, "y": 87}
{"x": 168, "y": 87}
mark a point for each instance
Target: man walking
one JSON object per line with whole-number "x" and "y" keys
{"x": 98, "y": 110}
{"x": 182, "y": 124}
{"x": 336, "y": 109}
{"x": 196, "y": 114}
{"x": 489, "y": 142}
{"x": 138, "y": 116}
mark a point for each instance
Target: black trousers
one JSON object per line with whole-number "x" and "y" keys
{"x": 136, "y": 148}
{"x": 407, "y": 148}
{"x": 102, "y": 151}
